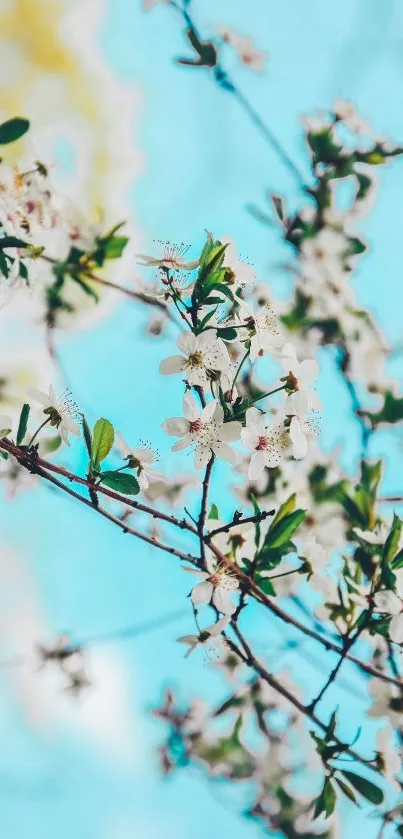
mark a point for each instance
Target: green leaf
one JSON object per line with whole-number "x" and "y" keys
{"x": 398, "y": 560}
{"x": 256, "y": 509}
{"x": 326, "y": 801}
{"x": 391, "y": 411}
{"x": 13, "y": 129}
{"x": 22, "y": 425}
{"x": 287, "y": 507}
{"x": 102, "y": 441}
{"x": 227, "y": 334}
{"x": 266, "y": 585}
{"x": 213, "y": 514}
{"x": 391, "y": 545}
{"x": 52, "y": 444}
{"x": 87, "y": 435}
{"x": 121, "y": 482}
{"x": 12, "y": 242}
{"x": 366, "y": 788}
{"x": 400, "y": 829}
{"x": 356, "y": 246}
{"x": 347, "y": 790}
{"x": 115, "y": 246}
{"x": 280, "y": 532}
{"x": 278, "y": 204}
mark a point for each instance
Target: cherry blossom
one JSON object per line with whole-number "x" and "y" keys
{"x": 216, "y": 585}
{"x": 172, "y": 257}
{"x": 205, "y": 430}
{"x": 204, "y": 358}
{"x": 262, "y": 329}
{"x": 323, "y": 258}
{"x": 389, "y": 603}
{"x": 247, "y": 53}
{"x": 347, "y": 112}
{"x": 209, "y": 639}
{"x": 59, "y": 411}
{"x": 141, "y": 459}
{"x": 301, "y": 376}
{"x": 268, "y": 443}
{"x": 241, "y": 273}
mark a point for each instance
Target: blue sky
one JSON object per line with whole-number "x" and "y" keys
{"x": 203, "y": 164}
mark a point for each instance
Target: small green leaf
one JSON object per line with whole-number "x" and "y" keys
{"x": 102, "y": 441}
{"x": 347, "y": 790}
{"x": 12, "y": 242}
{"x": 391, "y": 545}
{"x": 121, "y": 482}
{"x": 52, "y": 444}
{"x": 398, "y": 560}
{"x": 213, "y": 514}
{"x": 287, "y": 507}
{"x": 87, "y": 435}
{"x": 22, "y": 425}
{"x": 278, "y": 204}
{"x": 326, "y": 801}
{"x": 280, "y": 532}
{"x": 227, "y": 334}
{"x": 13, "y": 129}
{"x": 266, "y": 585}
{"x": 366, "y": 788}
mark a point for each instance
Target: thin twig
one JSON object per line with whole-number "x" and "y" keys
{"x": 203, "y": 509}
{"x": 251, "y": 661}
{"x": 249, "y": 520}
{"x": 28, "y": 461}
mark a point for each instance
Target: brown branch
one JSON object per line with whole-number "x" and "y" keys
{"x": 134, "y": 295}
{"x": 151, "y": 540}
{"x": 203, "y": 509}
{"x": 250, "y": 520}
{"x": 30, "y": 462}
{"x": 252, "y": 662}
{"x": 41, "y": 466}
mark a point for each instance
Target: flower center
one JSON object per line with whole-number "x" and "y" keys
{"x": 55, "y": 417}
{"x": 195, "y": 426}
{"x": 195, "y": 360}
{"x": 262, "y": 443}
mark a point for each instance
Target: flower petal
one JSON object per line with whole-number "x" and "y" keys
{"x": 172, "y": 364}
{"x": 201, "y": 594}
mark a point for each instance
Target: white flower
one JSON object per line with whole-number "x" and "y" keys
{"x": 301, "y": 429}
{"x": 59, "y": 410}
{"x": 237, "y": 542}
{"x": 390, "y": 603}
{"x": 216, "y": 585}
{"x": 302, "y": 375}
{"x": 391, "y": 758}
{"x": 268, "y": 443}
{"x": 262, "y": 328}
{"x": 314, "y": 553}
{"x": 387, "y": 702}
{"x": 210, "y": 639}
{"x": 248, "y": 54}
{"x": 347, "y": 112}
{"x": 172, "y": 257}
{"x": 205, "y": 429}
{"x": 203, "y": 356}
{"x": 373, "y": 537}
{"x": 141, "y": 459}
{"x": 323, "y": 258}
{"x": 243, "y": 273}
